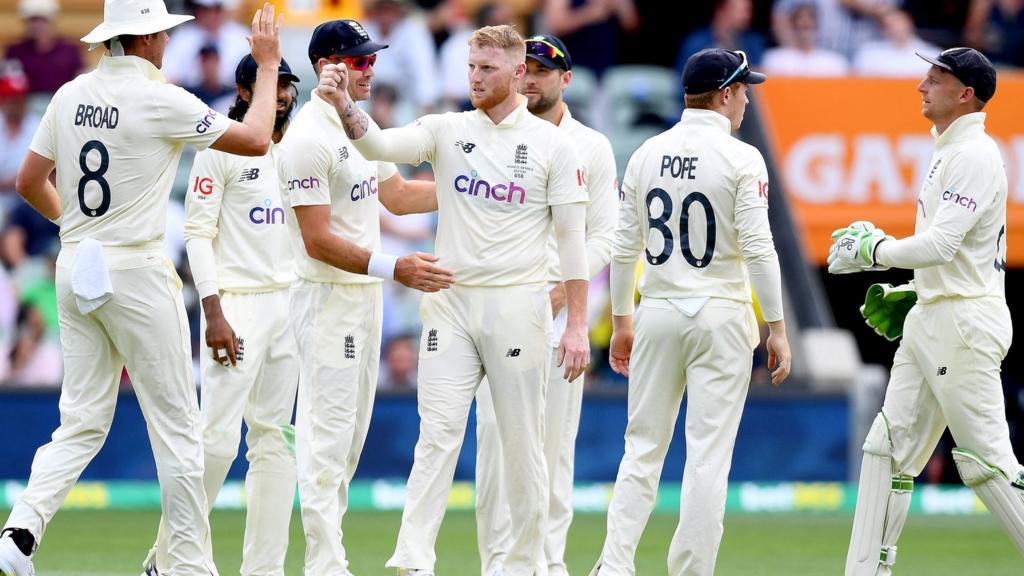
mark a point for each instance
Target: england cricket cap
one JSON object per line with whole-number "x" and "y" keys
{"x": 342, "y": 38}
{"x": 715, "y": 68}
{"x": 970, "y": 67}
{"x": 245, "y": 72}
{"x": 549, "y": 50}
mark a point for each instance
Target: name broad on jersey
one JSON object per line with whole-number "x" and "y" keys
{"x": 97, "y": 116}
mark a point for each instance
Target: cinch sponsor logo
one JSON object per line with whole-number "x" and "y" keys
{"x": 364, "y": 189}
{"x": 960, "y": 199}
{"x": 207, "y": 121}
{"x": 304, "y": 183}
{"x": 266, "y": 214}
{"x": 500, "y": 192}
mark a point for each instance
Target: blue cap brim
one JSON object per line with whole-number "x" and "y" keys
{"x": 547, "y": 62}
{"x": 364, "y": 49}
{"x": 754, "y": 78}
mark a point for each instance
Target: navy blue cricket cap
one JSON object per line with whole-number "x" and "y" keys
{"x": 342, "y": 38}
{"x": 245, "y": 72}
{"x": 549, "y": 50}
{"x": 970, "y": 67}
{"x": 715, "y": 68}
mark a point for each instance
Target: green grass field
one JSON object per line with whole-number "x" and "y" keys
{"x": 87, "y": 543}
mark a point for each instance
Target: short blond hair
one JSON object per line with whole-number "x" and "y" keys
{"x": 504, "y": 37}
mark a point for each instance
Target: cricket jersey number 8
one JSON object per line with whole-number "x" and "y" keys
{"x": 89, "y": 175}
{"x": 660, "y": 224}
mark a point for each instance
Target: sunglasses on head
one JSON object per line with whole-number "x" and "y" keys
{"x": 743, "y": 68}
{"x": 358, "y": 63}
{"x": 544, "y": 49}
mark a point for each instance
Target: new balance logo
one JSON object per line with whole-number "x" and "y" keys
{"x": 467, "y": 147}
{"x": 249, "y": 174}
{"x": 512, "y": 353}
{"x": 342, "y": 153}
{"x": 432, "y": 340}
{"x": 350, "y": 347}
{"x": 941, "y": 371}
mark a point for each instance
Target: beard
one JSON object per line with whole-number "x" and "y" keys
{"x": 543, "y": 104}
{"x": 497, "y": 96}
{"x": 283, "y": 116}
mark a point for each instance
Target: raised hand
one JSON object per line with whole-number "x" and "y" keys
{"x": 265, "y": 41}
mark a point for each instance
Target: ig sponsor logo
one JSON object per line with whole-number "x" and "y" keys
{"x": 472, "y": 185}
{"x": 203, "y": 185}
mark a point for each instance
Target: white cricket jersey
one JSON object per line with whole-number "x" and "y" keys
{"x": 496, "y": 184}
{"x": 695, "y": 201}
{"x": 320, "y": 166}
{"x": 116, "y": 135}
{"x": 234, "y": 204}
{"x": 601, "y": 180}
{"x": 959, "y": 244}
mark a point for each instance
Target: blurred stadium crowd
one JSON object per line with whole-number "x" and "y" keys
{"x": 628, "y": 56}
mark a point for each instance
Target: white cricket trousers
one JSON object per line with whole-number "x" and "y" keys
{"x": 469, "y": 332}
{"x": 142, "y": 327}
{"x": 338, "y": 331}
{"x": 259, "y": 390}
{"x": 709, "y": 356}
{"x": 946, "y": 373}
{"x": 563, "y": 402}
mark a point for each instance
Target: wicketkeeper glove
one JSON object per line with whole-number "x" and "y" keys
{"x": 885, "y": 308}
{"x": 853, "y": 248}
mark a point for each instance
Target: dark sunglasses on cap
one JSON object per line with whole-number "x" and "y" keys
{"x": 544, "y": 49}
{"x": 742, "y": 68}
{"x": 357, "y": 63}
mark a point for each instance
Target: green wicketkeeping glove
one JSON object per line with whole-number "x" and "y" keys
{"x": 885, "y": 308}
{"x": 853, "y": 248}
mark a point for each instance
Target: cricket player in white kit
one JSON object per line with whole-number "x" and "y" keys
{"x": 946, "y": 370}
{"x": 695, "y": 202}
{"x": 335, "y": 195}
{"x": 241, "y": 260}
{"x": 114, "y": 136}
{"x": 505, "y": 178}
{"x": 548, "y": 74}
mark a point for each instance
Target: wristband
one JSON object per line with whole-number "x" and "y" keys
{"x": 382, "y": 265}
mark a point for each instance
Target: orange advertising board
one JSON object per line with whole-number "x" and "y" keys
{"x": 858, "y": 149}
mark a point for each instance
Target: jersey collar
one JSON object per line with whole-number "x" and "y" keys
{"x": 693, "y": 117}
{"x": 325, "y": 107}
{"x": 125, "y": 65}
{"x": 566, "y": 119}
{"x": 514, "y": 117}
{"x": 961, "y": 128}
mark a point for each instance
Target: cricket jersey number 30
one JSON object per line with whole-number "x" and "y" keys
{"x": 661, "y": 225}
{"x": 90, "y": 175}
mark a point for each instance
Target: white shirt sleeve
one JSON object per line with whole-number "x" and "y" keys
{"x": 601, "y": 183}
{"x": 570, "y": 222}
{"x": 969, "y": 178}
{"x": 185, "y": 118}
{"x": 44, "y": 142}
{"x": 565, "y": 173}
{"x": 208, "y": 180}
{"x": 306, "y": 168}
{"x": 755, "y": 238}
{"x": 629, "y": 242}
{"x": 412, "y": 144}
